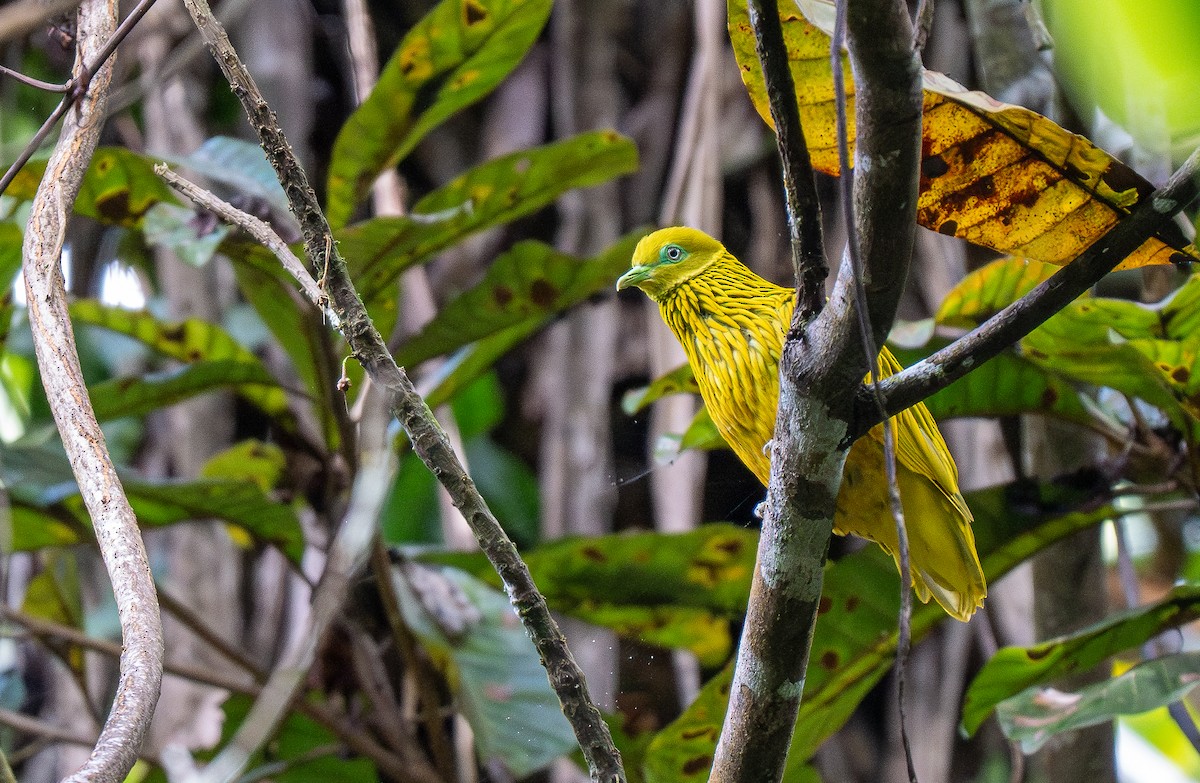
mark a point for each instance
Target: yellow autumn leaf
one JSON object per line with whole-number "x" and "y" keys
{"x": 994, "y": 174}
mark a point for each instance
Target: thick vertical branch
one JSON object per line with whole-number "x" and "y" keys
{"x": 819, "y": 364}
{"x": 54, "y": 342}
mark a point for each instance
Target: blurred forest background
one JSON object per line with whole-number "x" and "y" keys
{"x": 538, "y": 415}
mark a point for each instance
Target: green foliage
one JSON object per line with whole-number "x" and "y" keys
{"x": 450, "y": 59}
{"x": 499, "y": 684}
{"x": 1034, "y": 716}
{"x": 1016, "y": 669}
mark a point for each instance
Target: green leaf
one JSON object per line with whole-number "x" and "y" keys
{"x": 54, "y": 595}
{"x": 176, "y": 229}
{"x": 295, "y": 325}
{"x": 139, "y": 395}
{"x": 989, "y": 289}
{"x": 701, "y": 433}
{"x": 499, "y": 684}
{"x": 119, "y": 187}
{"x": 252, "y": 460}
{"x": 1181, "y": 311}
{"x": 191, "y": 341}
{"x": 1006, "y": 385}
{"x": 681, "y": 380}
{"x": 458, "y": 371}
{"x": 239, "y": 165}
{"x": 291, "y": 758}
{"x": 48, "y": 510}
{"x": 529, "y": 283}
{"x": 458, "y": 53}
{"x": 10, "y": 262}
{"x": 1015, "y": 669}
{"x": 495, "y": 192}
{"x": 1036, "y": 715}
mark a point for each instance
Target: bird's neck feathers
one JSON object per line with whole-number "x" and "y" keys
{"x": 726, "y": 283}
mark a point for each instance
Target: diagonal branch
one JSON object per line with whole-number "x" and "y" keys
{"x": 428, "y": 439}
{"x": 799, "y": 188}
{"x": 114, "y": 522}
{"x": 1023, "y": 316}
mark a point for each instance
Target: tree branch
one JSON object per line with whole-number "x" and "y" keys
{"x": 54, "y": 342}
{"x": 428, "y": 439}
{"x": 1023, "y": 316}
{"x": 820, "y": 361}
{"x": 799, "y": 188}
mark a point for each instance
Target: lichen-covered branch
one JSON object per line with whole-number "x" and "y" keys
{"x": 115, "y": 525}
{"x": 428, "y": 439}
{"x": 820, "y": 361}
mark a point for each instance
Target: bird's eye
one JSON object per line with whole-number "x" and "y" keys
{"x": 673, "y": 252}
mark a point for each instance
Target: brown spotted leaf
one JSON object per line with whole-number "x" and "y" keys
{"x": 994, "y": 174}
{"x": 450, "y": 59}
{"x": 529, "y": 283}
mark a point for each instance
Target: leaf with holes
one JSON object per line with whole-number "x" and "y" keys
{"x": 458, "y": 53}
{"x": 996, "y": 175}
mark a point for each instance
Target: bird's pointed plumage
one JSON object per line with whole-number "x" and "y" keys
{"x": 732, "y": 323}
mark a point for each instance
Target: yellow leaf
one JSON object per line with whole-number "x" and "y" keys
{"x": 996, "y": 175}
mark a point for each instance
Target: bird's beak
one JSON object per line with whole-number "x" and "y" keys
{"x": 634, "y": 276}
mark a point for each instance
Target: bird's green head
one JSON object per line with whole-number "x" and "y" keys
{"x": 668, "y": 258}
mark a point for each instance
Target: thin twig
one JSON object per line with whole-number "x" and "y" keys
{"x": 942, "y": 368}
{"x": 37, "y": 84}
{"x": 428, "y": 439}
{"x": 74, "y": 88}
{"x": 871, "y": 351}
{"x": 112, "y": 518}
{"x": 800, "y": 188}
{"x": 49, "y": 731}
{"x": 260, "y": 230}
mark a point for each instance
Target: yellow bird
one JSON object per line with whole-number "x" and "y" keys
{"x": 732, "y": 323}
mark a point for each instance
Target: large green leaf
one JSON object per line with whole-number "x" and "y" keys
{"x": 139, "y": 395}
{"x": 529, "y": 283}
{"x": 499, "y": 684}
{"x": 1036, "y": 715}
{"x": 495, "y": 192}
{"x": 191, "y": 341}
{"x": 450, "y": 59}
{"x": 119, "y": 187}
{"x": 1015, "y": 669}
{"x": 10, "y": 261}
{"x": 47, "y": 509}
{"x": 989, "y": 289}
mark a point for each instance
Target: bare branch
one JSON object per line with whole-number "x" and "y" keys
{"x": 800, "y": 189}
{"x": 54, "y": 342}
{"x": 260, "y": 230}
{"x": 75, "y": 86}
